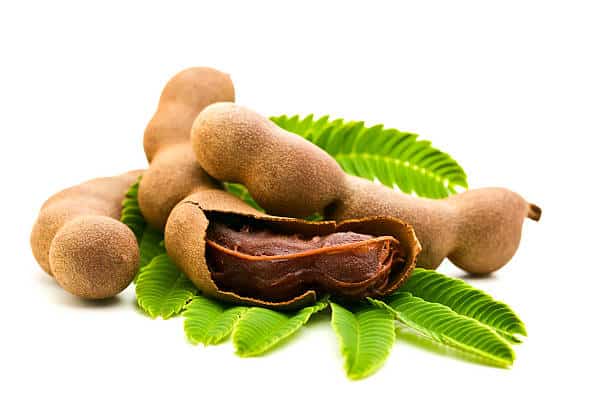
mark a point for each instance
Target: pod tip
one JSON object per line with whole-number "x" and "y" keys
{"x": 534, "y": 212}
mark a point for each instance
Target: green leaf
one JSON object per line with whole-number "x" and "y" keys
{"x": 393, "y": 157}
{"x": 441, "y": 324}
{"x": 261, "y": 329}
{"x": 465, "y": 300}
{"x": 130, "y": 211}
{"x": 162, "y": 289}
{"x": 210, "y": 322}
{"x": 150, "y": 245}
{"x": 315, "y": 217}
{"x": 242, "y": 193}
{"x": 149, "y": 238}
{"x": 366, "y": 336}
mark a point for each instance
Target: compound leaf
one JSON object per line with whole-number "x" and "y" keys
{"x": 210, "y": 322}
{"x": 443, "y": 325}
{"x": 366, "y": 336}
{"x": 162, "y": 289}
{"x": 261, "y": 329}
{"x": 466, "y": 300}
{"x": 393, "y": 157}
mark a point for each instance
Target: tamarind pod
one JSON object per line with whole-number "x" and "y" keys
{"x": 188, "y": 242}
{"x": 79, "y": 240}
{"x": 172, "y": 176}
{"x": 285, "y": 174}
{"x": 478, "y": 230}
{"x": 173, "y": 170}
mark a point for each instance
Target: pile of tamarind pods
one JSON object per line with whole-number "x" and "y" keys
{"x": 198, "y": 138}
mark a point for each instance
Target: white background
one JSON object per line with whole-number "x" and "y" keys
{"x": 520, "y": 94}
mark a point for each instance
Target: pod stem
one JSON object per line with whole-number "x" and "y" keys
{"x": 534, "y": 212}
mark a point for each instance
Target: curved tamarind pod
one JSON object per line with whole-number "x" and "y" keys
{"x": 173, "y": 171}
{"x": 235, "y": 253}
{"x": 78, "y": 239}
{"x": 286, "y": 174}
{"x": 478, "y": 230}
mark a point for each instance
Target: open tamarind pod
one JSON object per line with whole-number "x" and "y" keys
{"x": 478, "y": 230}
{"x": 235, "y": 253}
{"x": 173, "y": 171}
{"x": 79, "y": 240}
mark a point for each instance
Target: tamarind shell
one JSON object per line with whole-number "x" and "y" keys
{"x": 186, "y": 229}
{"x": 173, "y": 170}
{"x": 94, "y": 257}
{"x": 286, "y": 174}
{"x": 79, "y": 240}
{"x": 173, "y": 175}
{"x": 182, "y": 98}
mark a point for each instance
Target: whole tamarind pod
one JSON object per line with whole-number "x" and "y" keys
{"x": 79, "y": 240}
{"x": 478, "y": 230}
{"x": 235, "y": 253}
{"x": 286, "y": 174}
{"x": 173, "y": 171}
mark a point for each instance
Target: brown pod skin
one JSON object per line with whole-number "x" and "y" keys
{"x": 79, "y": 240}
{"x": 478, "y": 230}
{"x": 186, "y": 236}
{"x": 173, "y": 171}
{"x": 235, "y": 144}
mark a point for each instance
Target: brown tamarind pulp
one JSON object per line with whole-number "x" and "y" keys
{"x": 270, "y": 265}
